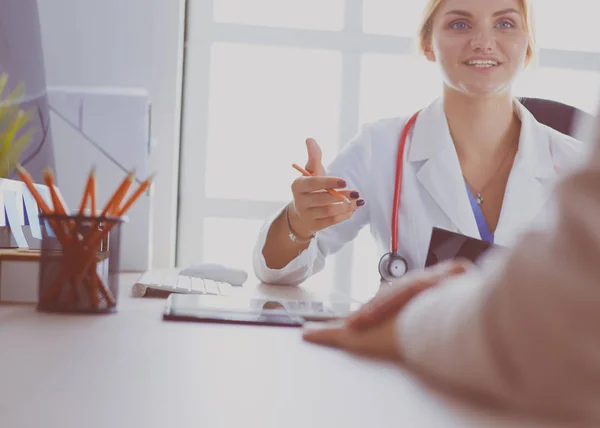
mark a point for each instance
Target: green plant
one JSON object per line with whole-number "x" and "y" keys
{"x": 15, "y": 132}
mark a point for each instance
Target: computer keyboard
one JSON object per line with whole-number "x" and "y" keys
{"x": 162, "y": 282}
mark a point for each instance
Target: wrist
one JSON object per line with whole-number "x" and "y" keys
{"x": 297, "y": 232}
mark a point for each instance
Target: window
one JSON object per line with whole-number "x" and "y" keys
{"x": 392, "y": 17}
{"x": 308, "y": 14}
{"x": 579, "y": 88}
{"x": 269, "y": 94}
{"x": 389, "y": 85}
{"x": 262, "y": 75}
{"x": 559, "y": 29}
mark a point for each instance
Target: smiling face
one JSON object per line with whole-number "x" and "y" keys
{"x": 480, "y": 46}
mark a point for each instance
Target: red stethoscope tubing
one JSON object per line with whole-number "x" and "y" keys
{"x": 398, "y": 182}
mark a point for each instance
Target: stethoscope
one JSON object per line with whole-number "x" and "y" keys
{"x": 392, "y": 265}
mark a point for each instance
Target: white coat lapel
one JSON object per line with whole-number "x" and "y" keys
{"x": 440, "y": 173}
{"x": 527, "y": 187}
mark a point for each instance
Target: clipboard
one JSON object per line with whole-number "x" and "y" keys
{"x": 447, "y": 245}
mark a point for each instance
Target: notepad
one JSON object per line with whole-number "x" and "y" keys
{"x": 31, "y": 210}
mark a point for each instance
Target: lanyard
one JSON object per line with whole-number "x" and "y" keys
{"x": 398, "y": 182}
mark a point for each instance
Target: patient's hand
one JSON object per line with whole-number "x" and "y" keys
{"x": 391, "y": 299}
{"x": 371, "y": 330}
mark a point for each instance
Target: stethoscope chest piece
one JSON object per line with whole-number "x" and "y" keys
{"x": 392, "y": 266}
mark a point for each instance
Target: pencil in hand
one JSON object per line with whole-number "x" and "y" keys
{"x": 332, "y": 192}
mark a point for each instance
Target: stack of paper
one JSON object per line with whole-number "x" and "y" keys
{"x": 21, "y": 232}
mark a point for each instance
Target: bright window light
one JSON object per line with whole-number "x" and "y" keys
{"x": 306, "y": 14}
{"x": 396, "y": 85}
{"x": 392, "y": 17}
{"x": 264, "y": 103}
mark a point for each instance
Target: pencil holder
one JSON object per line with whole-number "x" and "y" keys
{"x": 81, "y": 274}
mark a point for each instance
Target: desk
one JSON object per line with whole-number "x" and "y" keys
{"x": 131, "y": 369}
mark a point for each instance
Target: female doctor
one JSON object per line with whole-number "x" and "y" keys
{"x": 475, "y": 161}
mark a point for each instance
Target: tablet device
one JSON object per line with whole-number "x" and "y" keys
{"x": 446, "y": 245}
{"x": 251, "y": 310}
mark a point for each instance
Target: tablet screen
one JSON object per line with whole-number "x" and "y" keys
{"x": 251, "y": 310}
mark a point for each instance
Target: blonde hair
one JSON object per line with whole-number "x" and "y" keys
{"x": 433, "y": 5}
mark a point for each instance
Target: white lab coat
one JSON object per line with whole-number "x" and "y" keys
{"x": 433, "y": 190}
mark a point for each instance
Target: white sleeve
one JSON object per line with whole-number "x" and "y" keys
{"x": 524, "y": 331}
{"x": 353, "y": 164}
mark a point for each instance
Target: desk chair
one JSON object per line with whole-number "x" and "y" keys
{"x": 561, "y": 117}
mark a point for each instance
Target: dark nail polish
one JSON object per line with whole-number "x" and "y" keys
{"x": 354, "y": 195}
{"x": 360, "y": 202}
{"x": 341, "y": 183}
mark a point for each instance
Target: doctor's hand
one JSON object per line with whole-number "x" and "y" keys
{"x": 371, "y": 331}
{"x": 313, "y": 208}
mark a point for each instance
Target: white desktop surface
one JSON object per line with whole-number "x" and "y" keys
{"x": 131, "y": 369}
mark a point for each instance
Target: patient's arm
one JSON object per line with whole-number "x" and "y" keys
{"x": 525, "y": 333}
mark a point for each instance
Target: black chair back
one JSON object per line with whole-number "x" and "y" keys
{"x": 556, "y": 115}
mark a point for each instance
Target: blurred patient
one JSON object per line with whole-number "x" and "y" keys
{"x": 523, "y": 329}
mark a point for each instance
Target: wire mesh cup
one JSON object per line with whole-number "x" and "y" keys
{"x": 79, "y": 265}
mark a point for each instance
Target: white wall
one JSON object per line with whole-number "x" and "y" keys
{"x": 127, "y": 43}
